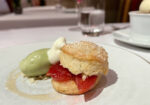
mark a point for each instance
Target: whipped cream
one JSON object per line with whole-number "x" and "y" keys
{"x": 54, "y": 52}
{"x": 145, "y": 6}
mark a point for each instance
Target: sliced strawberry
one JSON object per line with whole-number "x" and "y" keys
{"x": 58, "y": 73}
{"x": 85, "y": 85}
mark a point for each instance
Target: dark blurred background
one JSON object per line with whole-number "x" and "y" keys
{"x": 116, "y": 10}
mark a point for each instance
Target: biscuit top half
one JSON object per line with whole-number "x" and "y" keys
{"x": 85, "y": 50}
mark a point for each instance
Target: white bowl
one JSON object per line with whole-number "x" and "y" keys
{"x": 140, "y": 26}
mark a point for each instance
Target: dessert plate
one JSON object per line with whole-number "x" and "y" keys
{"x": 124, "y": 36}
{"x": 127, "y": 82}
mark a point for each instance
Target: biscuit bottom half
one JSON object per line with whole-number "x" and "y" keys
{"x": 70, "y": 87}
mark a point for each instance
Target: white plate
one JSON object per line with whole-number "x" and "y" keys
{"x": 124, "y": 36}
{"x": 127, "y": 83}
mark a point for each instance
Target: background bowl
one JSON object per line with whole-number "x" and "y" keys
{"x": 140, "y": 26}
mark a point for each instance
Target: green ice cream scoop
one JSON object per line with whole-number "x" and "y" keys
{"x": 36, "y": 63}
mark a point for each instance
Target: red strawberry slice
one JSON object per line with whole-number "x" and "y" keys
{"x": 58, "y": 73}
{"x": 85, "y": 85}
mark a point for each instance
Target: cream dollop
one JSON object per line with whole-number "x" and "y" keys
{"x": 145, "y": 6}
{"x": 54, "y": 52}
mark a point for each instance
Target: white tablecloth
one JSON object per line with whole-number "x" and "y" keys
{"x": 14, "y": 37}
{"x": 38, "y": 17}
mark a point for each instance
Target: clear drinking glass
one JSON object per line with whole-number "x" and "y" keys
{"x": 92, "y": 17}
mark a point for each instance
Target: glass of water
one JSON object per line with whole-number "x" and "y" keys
{"x": 92, "y": 17}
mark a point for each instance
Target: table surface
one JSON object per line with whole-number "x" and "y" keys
{"x": 38, "y": 13}
{"x": 39, "y": 17}
{"x": 9, "y": 38}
